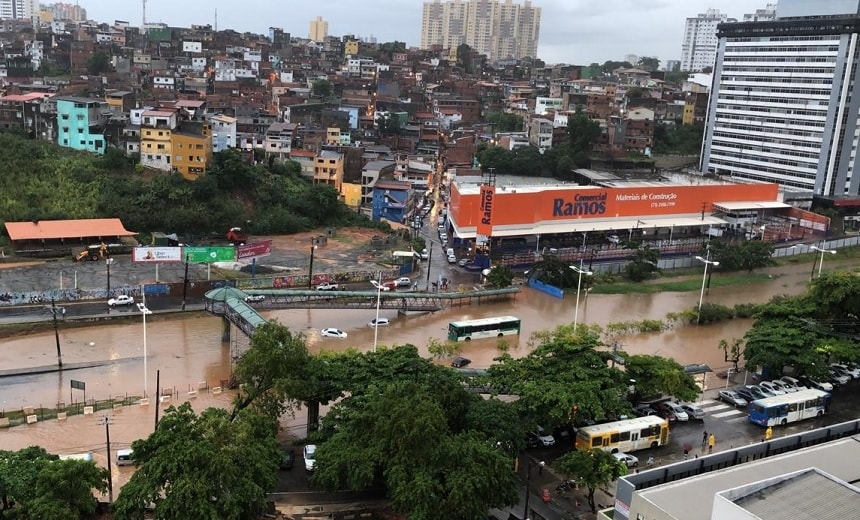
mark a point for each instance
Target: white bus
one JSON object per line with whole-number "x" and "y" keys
{"x": 789, "y": 408}
{"x": 627, "y": 435}
{"x": 483, "y": 328}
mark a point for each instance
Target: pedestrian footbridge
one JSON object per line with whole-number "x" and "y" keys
{"x": 230, "y": 303}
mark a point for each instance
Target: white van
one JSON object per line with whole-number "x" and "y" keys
{"x": 123, "y": 458}
{"x": 450, "y": 252}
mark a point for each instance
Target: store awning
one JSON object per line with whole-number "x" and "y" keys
{"x": 749, "y": 204}
{"x": 588, "y": 226}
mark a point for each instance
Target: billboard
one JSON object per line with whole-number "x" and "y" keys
{"x": 208, "y": 255}
{"x": 254, "y": 250}
{"x": 559, "y": 204}
{"x": 485, "y": 210}
{"x": 156, "y": 254}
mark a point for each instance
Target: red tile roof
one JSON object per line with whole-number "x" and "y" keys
{"x": 55, "y": 229}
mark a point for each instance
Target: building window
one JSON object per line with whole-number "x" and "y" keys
{"x": 160, "y": 133}
{"x": 65, "y": 117}
{"x": 178, "y": 158}
{"x": 161, "y": 147}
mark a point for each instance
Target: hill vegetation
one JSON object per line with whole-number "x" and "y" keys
{"x": 41, "y": 181}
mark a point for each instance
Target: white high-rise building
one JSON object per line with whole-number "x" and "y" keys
{"x": 499, "y": 29}
{"x": 699, "y": 48}
{"x": 783, "y": 107}
{"x": 762, "y": 15}
{"x": 19, "y": 9}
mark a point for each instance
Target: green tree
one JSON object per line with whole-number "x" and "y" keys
{"x": 495, "y": 157}
{"x": 576, "y": 381}
{"x": 271, "y": 371}
{"x": 98, "y": 63}
{"x": 593, "y": 468}
{"x": 552, "y": 270}
{"x": 464, "y": 58}
{"x": 643, "y": 262}
{"x": 35, "y": 484}
{"x": 505, "y": 122}
{"x": 582, "y": 133}
{"x": 782, "y": 335}
{"x": 732, "y": 351}
{"x": 206, "y": 466}
{"x": 655, "y": 375}
{"x": 649, "y": 63}
{"x": 755, "y": 254}
{"x": 500, "y": 276}
{"x": 836, "y": 298}
{"x": 321, "y": 88}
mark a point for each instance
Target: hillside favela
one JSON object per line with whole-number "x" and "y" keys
{"x": 429, "y": 260}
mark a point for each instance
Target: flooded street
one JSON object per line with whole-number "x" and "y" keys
{"x": 189, "y": 352}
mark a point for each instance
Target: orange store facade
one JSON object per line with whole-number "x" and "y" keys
{"x": 533, "y": 209}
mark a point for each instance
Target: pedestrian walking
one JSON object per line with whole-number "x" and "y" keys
{"x": 711, "y": 441}
{"x": 540, "y": 467}
{"x": 63, "y": 312}
{"x": 768, "y": 433}
{"x": 704, "y": 438}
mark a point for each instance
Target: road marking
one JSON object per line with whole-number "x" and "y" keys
{"x": 716, "y": 407}
{"x": 742, "y": 418}
{"x": 727, "y": 414}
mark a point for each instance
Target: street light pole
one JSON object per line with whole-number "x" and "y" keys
{"x": 821, "y": 261}
{"x": 144, "y": 311}
{"x": 57, "y": 335}
{"x": 108, "y": 262}
{"x": 185, "y": 283}
{"x": 378, "y": 298}
{"x": 581, "y": 272}
{"x": 707, "y": 262}
{"x": 429, "y": 260}
{"x": 311, "y": 268}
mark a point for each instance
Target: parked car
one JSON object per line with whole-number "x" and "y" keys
{"x": 837, "y": 378}
{"x": 380, "y": 287}
{"x": 792, "y": 381}
{"x": 544, "y": 438}
{"x": 631, "y": 461}
{"x": 850, "y": 368}
{"x": 758, "y": 392}
{"x": 774, "y": 389}
{"x": 122, "y": 299}
{"x": 824, "y": 386}
{"x": 254, "y": 298}
{"x": 326, "y": 286}
{"x": 403, "y": 281}
{"x": 532, "y": 440}
{"x": 844, "y": 370}
{"x": 613, "y": 239}
{"x": 782, "y": 385}
{"x": 379, "y": 322}
{"x": 643, "y": 411}
{"x": 731, "y": 397}
{"x": 443, "y": 237}
{"x": 424, "y": 254}
{"x": 694, "y": 412}
{"x": 288, "y": 459}
{"x": 309, "y": 452}
{"x": 465, "y": 261}
{"x": 333, "y": 333}
{"x": 452, "y": 259}
{"x": 671, "y": 411}
{"x": 746, "y": 394}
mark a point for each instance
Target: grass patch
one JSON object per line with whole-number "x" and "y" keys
{"x": 680, "y": 285}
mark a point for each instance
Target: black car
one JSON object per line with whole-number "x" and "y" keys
{"x": 288, "y": 459}
{"x": 532, "y": 440}
{"x": 746, "y": 394}
{"x": 460, "y": 362}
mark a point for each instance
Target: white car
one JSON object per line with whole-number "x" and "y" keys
{"x": 333, "y": 333}
{"x": 630, "y": 461}
{"x": 443, "y": 237}
{"x": 850, "y": 369}
{"x": 544, "y": 438}
{"x": 251, "y": 298}
{"x": 452, "y": 259}
{"x": 122, "y": 299}
{"x": 379, "y": 322}
{"x": 403, "y": 281}
{"x": 309, "y": 454}
{"x": 776, "y": 389}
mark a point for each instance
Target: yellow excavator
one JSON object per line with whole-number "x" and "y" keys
{"x": 94, "y": 252}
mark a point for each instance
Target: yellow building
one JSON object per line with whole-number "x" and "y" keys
{"x": 350, "y": 48}
{"x": 192, "y": 153}
{"x": 328, "y": 169}
{"x": 351, "y": 193}
{"x": 157, "y": 127}
{"x": 332, "y": 136}
{"x": 689, "y": 116}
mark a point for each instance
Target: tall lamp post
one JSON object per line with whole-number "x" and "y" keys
{"x": 144, "y": 311}
{"x": 581, "y": 272}
{"x": 429, "y": 259}
{"x": 107, "y": 263}
{"x": 378, "y": 298}
{"x": 311, "y": 268}
{"x": 707, "y": 262}
{"x": 821, "y": 261}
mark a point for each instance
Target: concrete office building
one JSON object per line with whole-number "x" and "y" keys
{"x": 699, "y": 49}
{"x": 783, "y": 107}
{"x": 499, "y": 29}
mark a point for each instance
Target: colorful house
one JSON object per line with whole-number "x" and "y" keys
{"x": 81, "y": 123}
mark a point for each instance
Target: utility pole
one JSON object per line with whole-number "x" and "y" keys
{"x": 57, "y": 334}
{"x": 429, "y": 259}
{"x": 185, "y": 283}
{"x": 110, "y": 475}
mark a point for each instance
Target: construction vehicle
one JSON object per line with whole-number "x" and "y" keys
{"x": 93, "y": 252}
{"x": 236, "y": 236}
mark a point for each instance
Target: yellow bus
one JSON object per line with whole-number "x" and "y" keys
{"x": 627, "y": 435}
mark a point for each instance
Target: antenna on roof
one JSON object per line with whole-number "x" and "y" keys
{"x": 216, "y": 19}
{"x": 143, "y": 24}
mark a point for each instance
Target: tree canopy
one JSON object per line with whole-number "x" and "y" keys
{"x": 593, "y": 468}
{"x": 205, "y": 466}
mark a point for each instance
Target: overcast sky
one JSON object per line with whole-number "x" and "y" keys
{"x": 572, "y": 31}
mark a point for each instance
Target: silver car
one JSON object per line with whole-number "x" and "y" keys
{"x": 693, "y": 412}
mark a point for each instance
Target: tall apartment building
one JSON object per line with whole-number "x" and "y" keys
{"x": 19, "y": 9}
{"x": 699, "y": 48}
{"x": 783, "y": 107}
{"x": 498, "y": 29}
{"x": 318, "y": 30}
{"x": 65, "y": 11}
{"x": 762, "y": 15}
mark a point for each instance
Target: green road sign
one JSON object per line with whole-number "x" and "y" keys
{"x": 208, "y": 255}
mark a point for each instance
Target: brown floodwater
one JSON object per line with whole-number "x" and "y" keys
{"x": 189, "y": 353}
